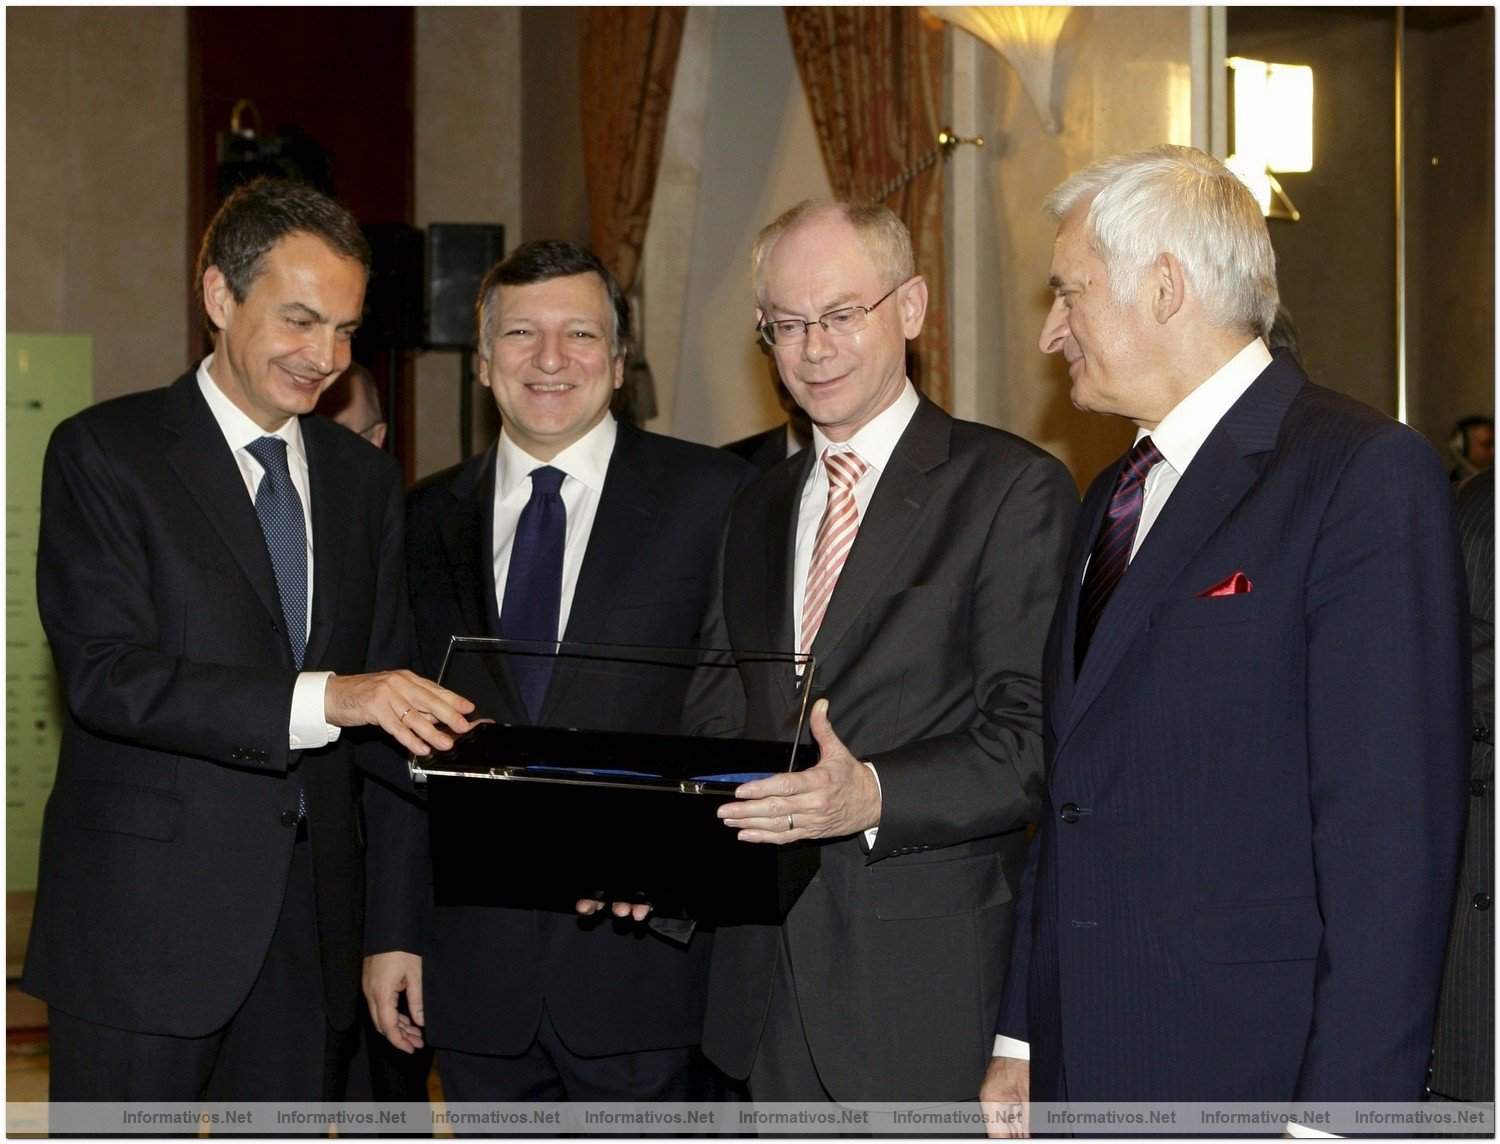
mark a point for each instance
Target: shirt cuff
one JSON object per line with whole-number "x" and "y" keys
{"x": 309, "y": 728}
{"x": 1010, "y": 1047}
{"x": 874, "y": 830}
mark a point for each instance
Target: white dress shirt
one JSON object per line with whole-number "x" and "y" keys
{"x": 873, "y": 445}
{"x": 308, "y": 726}
{"x": 1181, "y": 433}
{"x": 583, "y": 464}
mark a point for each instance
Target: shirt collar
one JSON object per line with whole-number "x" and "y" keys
{"x": 238, "y": 429}
{"x": 586, "y": 459}
{"x": 1181, "y": 433}
{"x": 876, "y": 441}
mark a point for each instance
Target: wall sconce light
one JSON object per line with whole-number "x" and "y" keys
{"x": 1272, "y": 105}
{"x": 1027, "y": 37}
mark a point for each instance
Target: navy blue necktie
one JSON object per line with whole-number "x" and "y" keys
{"x": 280, "y": 511}
{"x": 1111, "y": 554}
{"x": 533, "y": 584}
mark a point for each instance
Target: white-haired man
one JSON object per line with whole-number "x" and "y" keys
{"x": 1255, "y": 692}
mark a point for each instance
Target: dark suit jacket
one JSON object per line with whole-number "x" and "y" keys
{"x": 1240, "y": 884}
{"x": 164, "y": 852}
{"x": 609, "y": 987}
{"x": 1463, "y": 1053}
{"x": 763, "y": 450}
{"x": 930, "y": 657}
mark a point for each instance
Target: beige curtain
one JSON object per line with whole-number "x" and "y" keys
{"x": 873, "y": 78}
{"x": 627, "y": 62}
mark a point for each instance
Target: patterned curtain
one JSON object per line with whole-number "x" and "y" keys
{"x": 627, "y": 61}
{"x": 873, "y": 78}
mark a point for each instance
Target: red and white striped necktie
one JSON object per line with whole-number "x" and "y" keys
{"x": 835, "y": 537}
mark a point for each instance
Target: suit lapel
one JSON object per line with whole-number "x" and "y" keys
{"x": 622, "y": 531}
{"x": 202, "y": 460}
{"x": 333, "y": 509}
{"x": 782, "y": 506}
{"x": 1226, "y": 467}
{"x": 1065, "y": 675}
{"x": 467, "y": 529}
{"x": 889, "y": 523}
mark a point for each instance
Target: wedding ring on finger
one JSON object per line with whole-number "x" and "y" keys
{"x": 789, "y": 824}
{"x": 405, "y": 713}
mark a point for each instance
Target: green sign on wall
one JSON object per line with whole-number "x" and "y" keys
{"x": 47, "y": 377}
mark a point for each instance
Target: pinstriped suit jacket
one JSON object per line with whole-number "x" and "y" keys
{"x": 1463, "y": 1052}
{"x": 1241, "y": 878}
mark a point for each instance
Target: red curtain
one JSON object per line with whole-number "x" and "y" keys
{"x": 873, "y": 78}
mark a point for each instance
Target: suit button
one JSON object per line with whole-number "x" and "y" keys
{"x": 237, "y": 753}
{"x": 1481, "y": 901}
{"x": 1070, "y": 812}
{"x": 1478, "y": 787}
{"x": 288, "y": 818}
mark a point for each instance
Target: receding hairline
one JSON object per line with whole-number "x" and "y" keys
{"x": 869, "y": 222}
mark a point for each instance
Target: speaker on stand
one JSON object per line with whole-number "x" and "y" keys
{"x": 393, "y": 325}
{"x": 459, "y": 255}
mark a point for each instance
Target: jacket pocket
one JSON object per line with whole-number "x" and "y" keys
{"x": 1279, "y": 929}
{"x": 1207, "y": 611}
{"x": 938, "y": 889}
{"x": 117, "y": 808}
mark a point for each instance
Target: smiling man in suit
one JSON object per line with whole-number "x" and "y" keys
{"x": 572, "y": 525}
{"x": 917, "y": 558}
{"x": 221, "y": 583}
{"x": 1255, "y": 692}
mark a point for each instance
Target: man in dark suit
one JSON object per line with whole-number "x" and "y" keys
{"x": 1463, "y": 1049}
{"x": 528, "y": 1004}
{"x": 1255, "y": 692}
{"x": 916, "y": 557}
{"x": 216, "y": 577}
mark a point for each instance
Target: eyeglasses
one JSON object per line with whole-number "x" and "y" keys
{"x": 845, "y": 320}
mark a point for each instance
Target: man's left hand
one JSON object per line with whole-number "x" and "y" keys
{"x": 837, "y": 797}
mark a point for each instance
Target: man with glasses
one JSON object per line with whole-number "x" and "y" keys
{"x": 917, "y": 558}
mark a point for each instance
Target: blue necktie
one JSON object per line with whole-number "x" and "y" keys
{"x": 280, "y": 511}
{"x": 533, "y": 584}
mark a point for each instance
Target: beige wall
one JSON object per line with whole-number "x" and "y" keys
{"x": 468, "y": 148}
{"x": 96, "y": 196}
{"x": 1121, "y": 82}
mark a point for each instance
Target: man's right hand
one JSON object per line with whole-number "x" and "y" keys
{"x": 412, "y": 710}
{"x": 1005, "y": 1097}
{"x": 386, "y": 977}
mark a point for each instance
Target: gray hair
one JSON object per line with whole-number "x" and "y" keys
{"x": 1182, "y": 201}
{"x": 884, "y": 236}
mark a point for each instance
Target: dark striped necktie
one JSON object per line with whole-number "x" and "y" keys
{"x": 1111, "y": 554}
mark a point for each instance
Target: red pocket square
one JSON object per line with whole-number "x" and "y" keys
{"x": 1236, "y": 585}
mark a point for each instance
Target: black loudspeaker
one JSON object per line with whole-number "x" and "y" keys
{"x": 459, "y": 255}
{"x": 393, "y": 298}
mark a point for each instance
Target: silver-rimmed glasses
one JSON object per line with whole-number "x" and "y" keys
{"x": 844, "y": 320}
